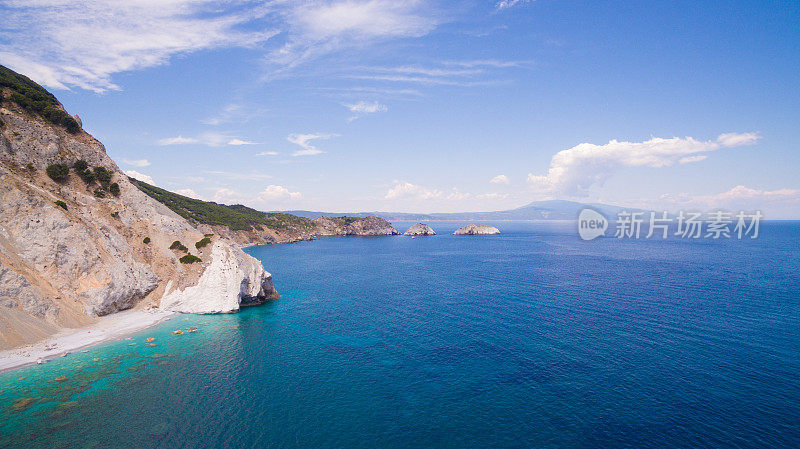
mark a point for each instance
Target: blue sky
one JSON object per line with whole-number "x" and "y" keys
{"x": 431, "y": 106}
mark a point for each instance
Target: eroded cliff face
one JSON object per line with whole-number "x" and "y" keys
{"x": 68, "y": 256}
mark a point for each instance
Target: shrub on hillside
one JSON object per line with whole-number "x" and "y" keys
{"x": 99, "y": 193}
{"x": 71, "y": 124}
{"x": 179, "y": 246}
{"x": 146, "y": 240}
{"x": 87, "y": 176}
{"x": 102, "y": 175}
{"x": 61, "y": 204}
{"x": 189, "y": 258}
{"x": 203, "y": 242}
{"x": 58, "y": 172}
{"x": 80, "y": 165}
{"x": 114, "y": 189}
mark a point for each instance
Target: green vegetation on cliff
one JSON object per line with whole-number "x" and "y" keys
{"x": 236, "y": 217}
{"x": 35, "y": 99}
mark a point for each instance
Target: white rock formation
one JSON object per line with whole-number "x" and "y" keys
{"x": 420, "y": 229}
{"x": 474, "y": 229}
{"x": 232, "y": 278}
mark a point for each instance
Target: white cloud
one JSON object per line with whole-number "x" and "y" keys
{"x": 226, "y": 115}
{"x": 316, "y": 28}
{"x": 500, "y": 179}
{"x": 575, "y": 170}
{"x": 180, "y": 140}
{"x": 277, "y": 193}
{"x": 140, "y": 176}
{"x": 238, "y": 142}
{"x": 466, "y": 73}
{"x": 406, "y": 195}
{"x": 208, "y": 139}
{"x": 363, "y": 107}
{"x": 62, "y": 44}
{"x": 137, "y": 162}
{"x": 690, "y": 159}
{"x": 775, "y": 204}
{"x": 227, "y": 196}
{"x": 505, "y": 4}
{"x": 403, "y": 189}
{"x": 267, "y": 153}
{"x": 304, "y": 141}
{"x": 188, "y": 192}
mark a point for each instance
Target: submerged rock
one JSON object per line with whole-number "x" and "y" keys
{"x": 474, "y": 229}
{"x": 420, "y": 229}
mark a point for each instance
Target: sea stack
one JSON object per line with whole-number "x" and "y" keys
{"x": 474, "y": 229}
{"x": 419, "y": 229}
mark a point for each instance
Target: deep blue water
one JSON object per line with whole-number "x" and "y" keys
{"x": 528, "y": 339}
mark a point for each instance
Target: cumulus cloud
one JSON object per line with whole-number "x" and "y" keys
{"x": 500, "y": 179}
{"x": 62, "y": 44}
{"x": 575, "y": 170}
{"x": 775, "y": 204}
{"x": 188, "y": 192}
{"x": 304, "y": 141}
{"x": 267, "y": 153}
{"x": 277, "y": 193}
{"x": 739, "y": 196}
{"x": 137, "y": 162}
{"x": 404, "y": 189}
{"x": 227, "y": 196}
{"x": 140, "y": 176}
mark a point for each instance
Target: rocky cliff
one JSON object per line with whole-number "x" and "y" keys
{"x": 78, "y": 240}
{"x": 372, "y": 225}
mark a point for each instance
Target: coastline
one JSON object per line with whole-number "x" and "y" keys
{"x": 108, "y": 328}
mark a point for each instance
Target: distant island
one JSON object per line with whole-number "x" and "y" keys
{"x": 419, "y": 229}
{"x": 476, "y": 229}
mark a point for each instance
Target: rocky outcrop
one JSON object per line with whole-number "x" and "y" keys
{"x": 77, "y": 249}
{"x": 229, "y": 281}
{"x": 371, "y": 225}
{"x": 420, "y": 229}
{"x": 474, "y": 229}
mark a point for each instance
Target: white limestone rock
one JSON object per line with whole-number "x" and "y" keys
{"x": 420, "y": 229}
{"x": 232, "y": 279}
{"x": 474, "y": 229}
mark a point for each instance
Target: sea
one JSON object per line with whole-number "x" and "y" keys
{"x": 532, "y": 338}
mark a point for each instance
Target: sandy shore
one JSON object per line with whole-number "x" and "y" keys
{"x": 108, "y": 328}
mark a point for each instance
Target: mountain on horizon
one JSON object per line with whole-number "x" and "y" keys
{"x": 537, "y": 210}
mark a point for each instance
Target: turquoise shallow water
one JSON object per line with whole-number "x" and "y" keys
{"x": 528, "y": 339}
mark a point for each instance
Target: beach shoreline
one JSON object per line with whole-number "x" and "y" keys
{"x": 109, "y": 328}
